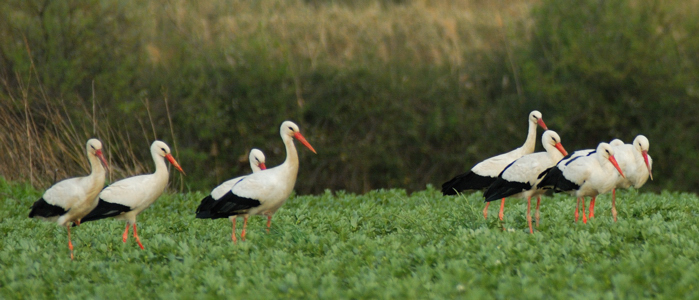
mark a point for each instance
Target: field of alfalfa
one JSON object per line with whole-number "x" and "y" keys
{"x": 383, "y": 244}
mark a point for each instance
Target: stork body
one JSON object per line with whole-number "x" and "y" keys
{"x": 585, "y": 176}
{"x": 126, "y": 198}
{"x": 519, "y": 179}
{"x": 257, "y": 163}
{"x": 68, "y": 201}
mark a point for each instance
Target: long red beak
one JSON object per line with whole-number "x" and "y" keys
{"x": 542, "y": 124}
{"x": 303, "y": 141}
{"x": 560, "y": 147}
{"x": 262, "y": 166}
{"x": 104, "y": 161}
{"x": 616, "y": 165}
{"x": 174, "y": 163}
{"x": 645, "y": 158}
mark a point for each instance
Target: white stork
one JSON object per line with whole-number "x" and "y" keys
{"x": 260, "y": 193}
{"x": 69, "y": 200}
{"x": 583, "y": 176}
{"x": 635, "y": 162}
{"x": 519, "y": 179}
{"x": 257, "y": 163}
{"x": 127, "y": 198}
{"x": 483, "y": 174}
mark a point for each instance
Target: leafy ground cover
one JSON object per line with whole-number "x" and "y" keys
{"x": 382, "y": 244}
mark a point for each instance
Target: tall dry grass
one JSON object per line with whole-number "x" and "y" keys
{"x": 43, "y": 139}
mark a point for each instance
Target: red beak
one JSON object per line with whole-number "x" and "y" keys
{"x": 102, "y": 160}
{"x": 174, "y": 163}
{"x": 560, "y": 147}
{"x": 303, "y": 141}
{"x": 542, "y": 124}
{"x": 645, "y": 158}
{"x": 262, "y": 166}
{"x": 616, "y": 165}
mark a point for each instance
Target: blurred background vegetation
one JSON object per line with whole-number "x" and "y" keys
{"x": 392, "y": 94}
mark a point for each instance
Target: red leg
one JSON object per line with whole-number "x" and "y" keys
{"x": 529, "y": 215}
{"x": 233, "y": 219}
{"x": 70, "y": 244}
{"x": 502, "y": 209}
{"x": 245, "y": 226}
{"x": 135, "y": 235}
{"x": 583, "y": 211}
{"x": 269, "y": 222}
{"x": 576, "y": 210}
{"x": 592, "y": 207}
{"x": 536, "y": 215}
{"x": 126, "y": 233}
{"x": 614, "y": 204}
{"x": 485, "y": 210}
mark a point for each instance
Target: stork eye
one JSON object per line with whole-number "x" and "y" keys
{"x": 290, "y": 128}
{"x": 163, "y": 150}
{"x": 93, "y": 147}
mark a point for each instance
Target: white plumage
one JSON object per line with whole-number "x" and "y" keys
{"x": 257, "y": 163}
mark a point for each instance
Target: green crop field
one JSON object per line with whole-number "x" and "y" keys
{"x": 383, "y": 244}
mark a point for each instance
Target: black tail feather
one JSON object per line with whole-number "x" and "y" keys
{"x": 502, "y": 188}
{"x": 228, "y": 205}
{"x": 554, "y": 179}
{"x": 466, "y": 181}
{"x": 43, "y": 209}
{"x": 550, "y": 178}
{"x": 104, "y": 210}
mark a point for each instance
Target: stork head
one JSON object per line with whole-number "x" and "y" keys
{"x": 257, "y": 160}
{"x": 290, "y": 129}
{"x": 551, "y": 139}
{"x": 94, "y": 147}
{"x": 606, "y": 152}
{"x": 161, "y": 149}
{"x": 641, "y": 144}
{"x": 535, "y": 117}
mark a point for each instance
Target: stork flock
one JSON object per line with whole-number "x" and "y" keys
{"x": 73, "y": 201}
{"x": 583, "y": 173}
{"x": 518, "y": 173}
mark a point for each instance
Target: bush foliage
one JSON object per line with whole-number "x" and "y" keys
{"x": 390, "y": 93}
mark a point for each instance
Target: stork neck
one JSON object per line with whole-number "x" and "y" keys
{"x": 160, "y": 166}
{"x": 530, "y": 142}
{"x": 292, "y": 157}
{"x": 97, "y": 169}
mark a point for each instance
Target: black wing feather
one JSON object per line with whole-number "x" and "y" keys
{"x": 502, "y": 188}
{"x": 43, "y": 209}
{"x": 228, "y": 205}
{"x": 104, "y": 210}
{"x": 466, "y": 181}
{"x": 554, "y": 179}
